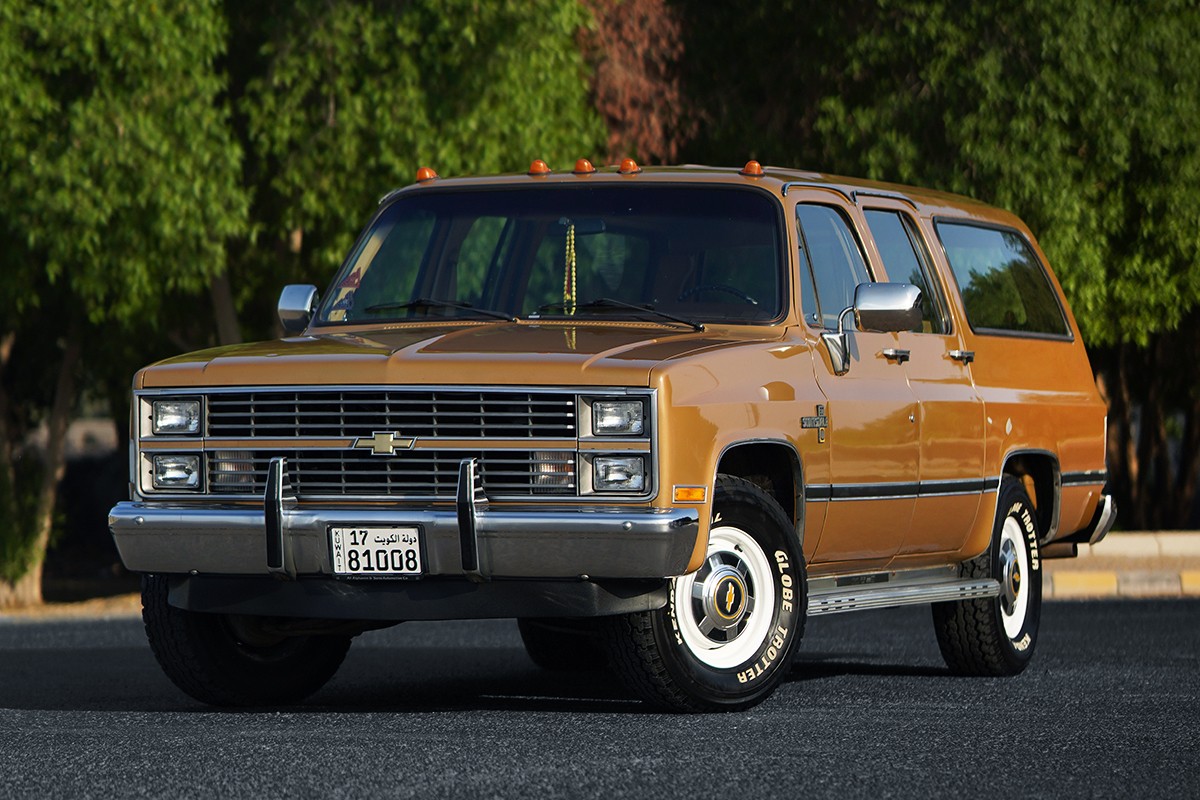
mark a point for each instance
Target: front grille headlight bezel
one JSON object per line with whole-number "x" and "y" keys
{"x": 560, "y": 466}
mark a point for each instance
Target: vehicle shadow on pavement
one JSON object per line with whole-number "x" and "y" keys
{"x": 85, "y": 679}
{"x": 423, "y": 679}
{"x": 429, "y": 679}
{"x": 419, "y": 668}
{"x": 814, "y": 666}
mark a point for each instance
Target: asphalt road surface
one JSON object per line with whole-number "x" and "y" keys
{"x": 1109, "y": 707}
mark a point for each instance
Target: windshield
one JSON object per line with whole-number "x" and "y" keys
{"x": 665, "y": 254}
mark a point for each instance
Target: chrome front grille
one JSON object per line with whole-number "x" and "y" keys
{"x": 423, "y": 414}
{"x": 484, "y": 424}
{"x": 414, "y": 474}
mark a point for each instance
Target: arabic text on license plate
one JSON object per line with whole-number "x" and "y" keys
{"x": 375, "y": 551}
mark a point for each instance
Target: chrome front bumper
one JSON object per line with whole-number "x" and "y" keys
{"x": 471, "y": 538}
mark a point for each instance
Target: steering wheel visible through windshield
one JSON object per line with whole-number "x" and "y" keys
{"x": 699, "y": 254}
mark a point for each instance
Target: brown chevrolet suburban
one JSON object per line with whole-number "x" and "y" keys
{"x": 659, "y": 416}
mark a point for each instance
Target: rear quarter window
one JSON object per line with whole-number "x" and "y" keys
{"x": 1004, "y": 287}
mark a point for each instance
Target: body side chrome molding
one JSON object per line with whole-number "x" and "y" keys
{"x": 840, "y": 492}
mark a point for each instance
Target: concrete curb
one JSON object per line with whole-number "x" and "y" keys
{"x": 1128, "y": 565}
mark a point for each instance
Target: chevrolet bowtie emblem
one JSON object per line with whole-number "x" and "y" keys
{"x": 384, "y": 443}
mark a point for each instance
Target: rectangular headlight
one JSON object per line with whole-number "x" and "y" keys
{"x": 619, "y": 474}
{"x": 176, "y": 416}
{"x": 618, "y": 417}
{"x": 176, "y": 472}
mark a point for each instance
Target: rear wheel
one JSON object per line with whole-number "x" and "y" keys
{"x": 726, "y": 637}
{"x": 997, "y": 635}
{"x": 230, "y": 660}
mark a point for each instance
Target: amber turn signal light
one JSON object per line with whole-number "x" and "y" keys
{"x": 690, "y": 494}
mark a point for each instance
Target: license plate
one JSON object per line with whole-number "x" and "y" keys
{"x": 375, "y": 551}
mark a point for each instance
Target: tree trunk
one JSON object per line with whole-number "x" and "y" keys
{"x": 1127, "y": 459}
{"x": 25, "y": 592}
{"x": 7, "y": 473}
{"x": 228, "y": 330}
{"x": 27, "y": 589}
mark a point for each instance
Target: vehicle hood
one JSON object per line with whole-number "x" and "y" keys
{"x": 522, "y": 353}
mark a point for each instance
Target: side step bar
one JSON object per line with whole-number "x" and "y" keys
{"x": 839, "y": 599}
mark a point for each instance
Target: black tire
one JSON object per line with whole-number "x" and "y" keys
{"x": 208, "y": 657}
{"x": 754, "y": 622}
{"x": 996, "y": 636}
{"x": 562, "y": 645}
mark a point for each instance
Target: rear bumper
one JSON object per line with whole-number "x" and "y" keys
{"x": 1102, "y": 522}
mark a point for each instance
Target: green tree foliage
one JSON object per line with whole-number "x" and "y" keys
{"x": 121, "y": 188}
{"x": 343, "y": 101}
{"x": 1078, "y": 115}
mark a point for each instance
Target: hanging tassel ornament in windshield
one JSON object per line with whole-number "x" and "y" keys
{"x": 569, "y": 295}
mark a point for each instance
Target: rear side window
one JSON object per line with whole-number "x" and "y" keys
{"x": 837, "y": 264}
{"x": 1003, "y": 285}
{"x": 906, "y": 259}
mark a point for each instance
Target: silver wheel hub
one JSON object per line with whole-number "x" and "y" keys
{"x": 724, "y": 598}
{"x": 1010, "y": 582}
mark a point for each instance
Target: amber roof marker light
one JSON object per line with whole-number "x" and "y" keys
{"x": 753, "y": 169}
{"x": 539, "y": 168}
{"x": 426, "y": 174}
{"x": 629, "y": 167}
{"x": 584, "y": 167}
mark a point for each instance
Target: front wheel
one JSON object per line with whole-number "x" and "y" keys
{"x": 997, "y": 635}
{"x": 725, "y": 639}
{"x": 229, "y": 660}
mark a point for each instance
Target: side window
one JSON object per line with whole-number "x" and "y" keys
{"x": 906, "y": 259}
{"x": 836, "y": 262}
{"x": 1003, "y": 285}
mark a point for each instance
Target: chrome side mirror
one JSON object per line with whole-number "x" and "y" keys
{"x": 887, "y": 307}
{"x": 878, "y": 307}
{"x": 297, "y": 304}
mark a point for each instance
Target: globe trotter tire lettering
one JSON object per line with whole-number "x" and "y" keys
{"x": 997, "y": 635}
{"x": 727, "y": 635}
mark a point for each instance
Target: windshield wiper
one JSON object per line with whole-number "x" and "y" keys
{"x": 429, "y": 302}
{"x": 609, "y": 302}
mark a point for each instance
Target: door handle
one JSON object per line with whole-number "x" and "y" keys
{"x": 897, "y": 355}
{"x": 965, "y": 356}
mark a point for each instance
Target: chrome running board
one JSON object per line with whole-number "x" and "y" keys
{"x": 885, "y": 590}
